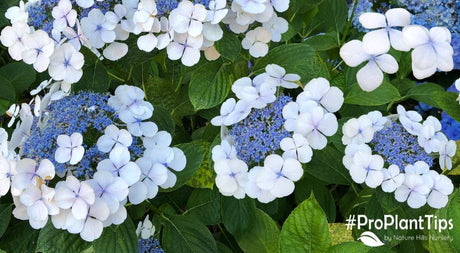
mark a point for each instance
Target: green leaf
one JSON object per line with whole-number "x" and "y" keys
{"x": 435, "y": 95}
{"x": 332, "y": 15}
{"x": 204, "y": 205}
{"x": 95, "y": 78}
{"x": 204, "y": 176}
{"x": 194, "y": 154}
{"x": 306, "y": 186}
{"x": 326, "y": 165}
{"x": 349, "y": 247}
{"x": 15, "y": 78}
{"x": 182, "y": 234}
{"x": 262, "y": 237}
{"x": 299, "y": 59}
{"x": 118, "y": 239}
{"x": 238, "y": 214}
{"x": 229, "y": 46}
{"x": 449, "y": 213}
{"x": 51, "y": 239}
{"x": 339, "y": 233}
{"x": 5, "y": 216}
{"x": 163, "y": 119}
{"x": 306, "y": 229}
{"x": 209, "y": 85}
{"x": 21, "y": 237}
{"x": 384, "y": 94}
{"x": 322, "y": 42}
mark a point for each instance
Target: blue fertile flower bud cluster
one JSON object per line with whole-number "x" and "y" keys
{"x": 399, "y": 147}
{"x": 85, "y": 112}
{"x": 150, "y": 245}
{"x": 261, "y": 132}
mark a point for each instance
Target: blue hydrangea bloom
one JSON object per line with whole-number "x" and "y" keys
{"x": 166, "y": 6}
{"x": 261, "y": 132}
{"x": 399, "y": 147}
{"x": 430, "y": 13}
{"x": 450, "y": 127}
{"x": 87, "y": 113}
{"x": 456, "y": 46}
{"x": 150, "y": 245}
{"x": 363, "y": 6}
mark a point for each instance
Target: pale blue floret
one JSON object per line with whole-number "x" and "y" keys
{"x": 261, "y": 132}
{"x": 399, "y": 147}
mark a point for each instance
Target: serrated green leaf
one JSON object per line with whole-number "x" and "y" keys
{"x": 95, "y": 78}
{"x": 451, "y": 235}
{"x": 205, "y": 175}
{"x": 327, "y": 166}
{"x": 435, "y": 95}
{"x": 209, "y": 85}
{"x": 305, "y": 229}
{"x": 118, "y": 239}
{"x": 51, "y": 239}
{"x": 237, "y": 214}
{"x": 306, "y": 186}
{"x": 21, "y": 237}
{"x": 322, "y": 42}
{"x": 384, "y": 94}
{"x": 262, "y": 237}
{"x": 163, "y": 119}
{"x": 184, "y": 235}
{"x": 204, "y": 205}
{"x": 299, "y": 59}
{"x": 229, "y": 46}
{"x": 15, "y": 78}
{"x": 5, "y": 216}
{"x": 339, "y": 233}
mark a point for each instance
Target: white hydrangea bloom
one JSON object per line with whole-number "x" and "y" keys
{"x": 378, "y": 41}
{"x": 358, "y": 130}
{"x": 278, "y": 175}
{"x": 256, "y": 42}
{"x": 297, "y": 148}
{"x": 392, "y": 178}
{"x": 12, "y": 37}
{"x": 114, "y": 137}
{"x": 432, "y": 49}
{"x": 40, "y": 203}
{"x": 188, "y": 18}
{"x": 232, "y": 177}
{"x": 66, "y": 64}
{"x": 367, "y": 168}
{"x": 369, "y": 77}
{"x": 69, "y": 149}
{"x": 75, "y": 195}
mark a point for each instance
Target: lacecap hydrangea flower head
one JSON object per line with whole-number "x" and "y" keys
{"x": 431, "y": 48}
{"x": 400, "y": 153}
{"x": 266, "y": 136}
{"x": 49, "y": 34}
{"x": 79, "y": 159}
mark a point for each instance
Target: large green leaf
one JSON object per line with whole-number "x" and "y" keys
{"x": 435, "y": 95}
{"x": 5, "y": 216}
{"x": 182, "y": 234}
{"x": 332, "y": 15}
{"x": 51, "y": 239}
{"x": 204, "y": 205}
{"x": 163, "y": 119}
{"x": 357, "y": 247}
{"x": 262, "y": 237}
{"x": 327, "y": 166}
{"x": 305, "y": 230}
{"x": 95, "y": 78}
{"x": 194, "y": 155}
{"x": 229, "y": 46}
{"x": 447, "y": 240}
{"x": 306, "y": 186}
{"x": 118, "y": 239}
{"x": 210, "y": 85}
{"x": 20, "y": 237}
{"x": 299, "y": 59}
{"x": 15, "y": 78}
{"x": 238, "y": 214}
{"x": 204, "y": 175}
{"x": 384, "y": 94}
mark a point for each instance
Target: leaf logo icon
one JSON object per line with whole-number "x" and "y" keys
{"x": 370, "y": 239}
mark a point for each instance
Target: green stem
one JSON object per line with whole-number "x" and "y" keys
{"x": 347, "y": 27}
